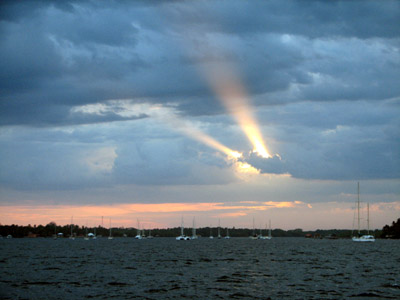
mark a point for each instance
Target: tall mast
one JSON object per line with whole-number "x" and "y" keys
{"x": 138, "y": 227}
{"x": 368, "y": 217}
{"x": 269, "y": 231}
{"x": 182, "y": 227}
{"x": 358, "y": 207}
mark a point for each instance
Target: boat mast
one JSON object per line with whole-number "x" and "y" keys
{"x": 194, "y": 227}
{"x": 138, "y": 227}
{"x": 182, "y": 227}
{"x": 358, "y": 207}
{"x": 269, "y": 230}
{"x": 368, "y": 217}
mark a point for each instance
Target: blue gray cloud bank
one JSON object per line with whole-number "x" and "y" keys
{"x": 88, "y": 90}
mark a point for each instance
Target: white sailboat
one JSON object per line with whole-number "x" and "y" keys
{"x": 367, "y": 237}
{"x": 211, "y": 236}
{"x": 139, "y": 233}
{"x": 227, "y": 234}
{"x": 182, "y": 237}
{"x": 269, "y": 231}
{"x": 194, "y": 236}
{"x": 110, "y": 237}
{"x": 261, "y": 237}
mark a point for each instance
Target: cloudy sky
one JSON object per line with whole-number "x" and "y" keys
{"x": 228, "y": 110}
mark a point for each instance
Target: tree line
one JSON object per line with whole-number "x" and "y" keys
{"x": 392, "y": 231}
{"x": 53, "y": 229}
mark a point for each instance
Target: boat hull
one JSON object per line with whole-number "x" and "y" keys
{"x": 364, "y": 238}
{"x": 182, "y": 238}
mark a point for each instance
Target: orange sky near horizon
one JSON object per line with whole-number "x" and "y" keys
{"x": 285, "y": 215}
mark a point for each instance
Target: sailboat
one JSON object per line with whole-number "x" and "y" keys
{"x": 260, "y": 236}
{"x": 182, "y": 237}
{"x": 110, "y": 237}
{"x": 219, "y": 228}
{"x": 227, "y": 234}
{"x": 367, "y": 237}
{"x": 194, "y": 236}
{"x": 211, "y": 236}
{"x": 254, "y": 236}
{"x": 269, "y": 231}
{"x": 94, "y": 237}
{"x": 72, "y": 235}
{"x": 139, "y": 233}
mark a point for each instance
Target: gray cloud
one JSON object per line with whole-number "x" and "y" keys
{"x": 322, "y": 75}
{"x": 65, "y": 54}
{"x": 333, "y": 141}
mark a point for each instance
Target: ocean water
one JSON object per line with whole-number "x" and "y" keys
{"x": 163, "y": 268}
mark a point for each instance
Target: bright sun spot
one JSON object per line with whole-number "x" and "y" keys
{"x": 246, "y": 168}
{"x": 235, "y": 154}
{"x": 260, "y": 149}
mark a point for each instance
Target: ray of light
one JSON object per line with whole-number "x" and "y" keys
{"x": 192, "y": 132}
{"x": 234, "y": 98}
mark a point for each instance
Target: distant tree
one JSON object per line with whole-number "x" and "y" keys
{"x": 393, "y": 231}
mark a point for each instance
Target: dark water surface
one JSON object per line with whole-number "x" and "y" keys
{"x": 162, "y": 268}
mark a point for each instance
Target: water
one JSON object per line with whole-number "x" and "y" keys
{"x": 162, "y": 268}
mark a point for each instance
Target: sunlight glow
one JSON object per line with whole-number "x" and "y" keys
{"x": 192, "y": 132}
{"x": 167, "y": 115}
{"x": 232, "y": 95}
{"x": 243, "y": 167}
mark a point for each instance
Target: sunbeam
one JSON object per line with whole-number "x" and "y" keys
{"x": 234, "y": 98}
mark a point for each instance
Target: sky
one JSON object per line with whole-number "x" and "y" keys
{"x": 222, "y": 111}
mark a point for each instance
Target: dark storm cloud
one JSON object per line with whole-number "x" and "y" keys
{"x": 325, "y": 71}
{"x": 313, "y": 19}
{"x": 350, "y": 142}
{"x": 78, "y": 52}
